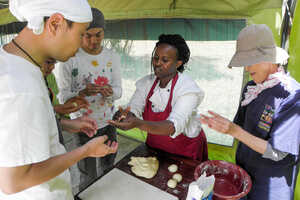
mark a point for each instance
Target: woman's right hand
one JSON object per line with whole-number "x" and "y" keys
{"x": 97, "y": 147}
{"x": 219, "y": 123}
{"x": 125, "y": 124}
{"x": 122, "y": 114}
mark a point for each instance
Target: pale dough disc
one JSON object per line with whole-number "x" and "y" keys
{"x": 177, "y": 177}
{"x": 144, "y": 166}
{"x": 173, "y": 168}
{"x": 172, "y": 183}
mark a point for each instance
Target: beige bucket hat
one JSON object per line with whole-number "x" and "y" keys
{"x": 256, "y": 44}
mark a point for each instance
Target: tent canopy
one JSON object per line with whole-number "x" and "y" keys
{"x": 137, "y": 9}
{"x": 255, "y": 11}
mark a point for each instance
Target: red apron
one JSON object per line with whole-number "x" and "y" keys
{"x": 195, "y": 148}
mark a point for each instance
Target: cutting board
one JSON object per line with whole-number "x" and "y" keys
{"x": 185, "y": 165}
{"x": 119, "y": 185}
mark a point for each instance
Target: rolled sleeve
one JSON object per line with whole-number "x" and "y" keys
{"x": 285, "y": 134}
{"x": 138, "y": 99}
{"x": 183, "y": 110}
{"x": 274, "y": 154}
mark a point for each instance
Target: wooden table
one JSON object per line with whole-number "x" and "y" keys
{"x": 185, "y": 168}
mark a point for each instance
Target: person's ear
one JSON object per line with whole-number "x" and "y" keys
{"x": 55, "y": 23}
{"x": 179, "y": 63}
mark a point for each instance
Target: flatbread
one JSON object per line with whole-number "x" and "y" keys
{"x": 144, "y": 166}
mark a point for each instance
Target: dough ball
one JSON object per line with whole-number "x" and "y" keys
{"x": 177, "y": 177}
{"x": 173, "y": 168}
{"x": 144, "y": 166}
{"x": 172, "y": 183}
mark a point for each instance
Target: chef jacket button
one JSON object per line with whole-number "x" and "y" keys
{"x": 168, "y": 90}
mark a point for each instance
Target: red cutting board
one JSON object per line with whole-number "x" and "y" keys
{"x": 186, "y": 168}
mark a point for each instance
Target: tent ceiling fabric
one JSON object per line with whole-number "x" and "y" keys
{"x": 215, "y": 9}
{"x": 6, "y": 17}
{"x": 137, "y": 9}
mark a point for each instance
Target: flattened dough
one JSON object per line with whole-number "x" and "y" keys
{"x": 172, "y": 183}
{"x": 177, "y": 177}
{"x": 173, "y": 168}
{"x": 144, "y": 166}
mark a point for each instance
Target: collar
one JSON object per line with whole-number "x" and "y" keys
{"x": 273, "y": 79}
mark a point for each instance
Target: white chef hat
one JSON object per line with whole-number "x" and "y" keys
{"x": 34, "y": 11}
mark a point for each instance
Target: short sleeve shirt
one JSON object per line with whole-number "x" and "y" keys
{"x": 28, "y": 128}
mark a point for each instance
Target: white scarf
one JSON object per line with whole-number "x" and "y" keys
{"x": 34, "y": 11}
{"x": 273, "y": 79}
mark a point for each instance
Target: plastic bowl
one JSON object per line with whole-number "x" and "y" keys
{"x": 232, "y": 182}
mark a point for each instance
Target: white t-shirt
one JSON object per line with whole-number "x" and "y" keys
{"x": 28, "y": 128}
{"x": 73, "y": 76}
{"x": 187, "y": 96}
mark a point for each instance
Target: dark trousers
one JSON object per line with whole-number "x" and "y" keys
{"x": 92, "y": 168}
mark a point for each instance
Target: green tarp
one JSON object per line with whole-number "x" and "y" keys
{"x": 190, "y": 29}
{"x": 137, "y": 9}
{"x": 221, "y": 9}
{"x": 294, "y": 46}
{"x": 294, "y": 63}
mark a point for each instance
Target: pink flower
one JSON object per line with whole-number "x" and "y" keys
{"x": 101, "y": 81}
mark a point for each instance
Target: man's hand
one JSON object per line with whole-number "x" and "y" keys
{"x": 97, "y": 147}
{"x": 81, "y": 124}
{"x": 17, "y": 179}
{"x": 72, "y": 105}
{"x": 106, "y": 90}
{"x": 94, "y": 89}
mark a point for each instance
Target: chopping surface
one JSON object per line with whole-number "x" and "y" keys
{"x": 120, "y": 182}
{"x": 186, "y": 168}
{"x": 117, "y": 185}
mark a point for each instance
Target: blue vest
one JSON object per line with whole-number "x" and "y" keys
{"x": 273, "y": 116}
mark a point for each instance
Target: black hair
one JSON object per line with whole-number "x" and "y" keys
{"x": 98, "y": 19}
{"x": 70, "y": 23}
{"x": 177, "y": 41}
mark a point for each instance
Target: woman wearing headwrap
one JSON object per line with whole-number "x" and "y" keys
{"x": 165, "y": 103}
{"x": 267, "y": 123}
{"x": 32, "y": 162}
